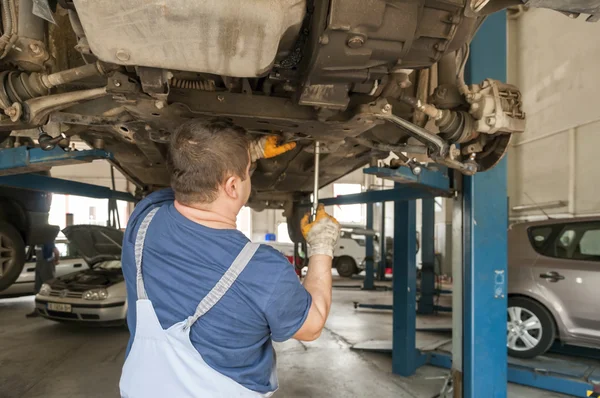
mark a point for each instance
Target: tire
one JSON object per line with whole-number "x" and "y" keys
{"x": 12, "y": 254}
{"x": 293, "y": 224}
{"x": 346, "y": 266}
{"x": 541, "y": 332}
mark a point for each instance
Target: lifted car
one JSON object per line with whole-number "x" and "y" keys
{"x": 362, "y": 77}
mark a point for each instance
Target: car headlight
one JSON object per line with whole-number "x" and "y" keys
{"x": 45, "y": 289}
{"x": 95, "y": 294}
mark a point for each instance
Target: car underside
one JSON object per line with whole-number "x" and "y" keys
{"x": 364, "y": 78}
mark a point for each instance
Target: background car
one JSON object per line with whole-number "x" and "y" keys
{"x": 96, "y": 294}
{"x": 70, "y": 261}
{"x": 554, "y": 274}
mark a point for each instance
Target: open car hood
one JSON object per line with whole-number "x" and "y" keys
{"x": 95, "y": 243}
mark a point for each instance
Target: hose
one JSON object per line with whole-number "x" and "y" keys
{"x": 9, "y": 16}
{"x": 460, "y": 78}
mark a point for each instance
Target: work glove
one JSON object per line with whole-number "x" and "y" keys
{"x": 268, "y": 147}
{"x": 322, "y": 234}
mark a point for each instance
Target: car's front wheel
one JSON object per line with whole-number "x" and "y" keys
{"x": 12, "y": 254}
{"x": 530, "y": 328}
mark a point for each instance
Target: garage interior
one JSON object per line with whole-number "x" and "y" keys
{"x": 387, "y": 338}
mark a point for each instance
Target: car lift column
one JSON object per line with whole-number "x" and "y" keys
{"x": 485, "y": 224}
{"x": 404, "y": 351}
{"x": 426, "y": 304}
{"x": 369, "y": 251}
{"x": 382, "y": 247}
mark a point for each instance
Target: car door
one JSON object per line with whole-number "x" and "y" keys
{"x": 69, "y": 260}
{"x": 568, "y": 275}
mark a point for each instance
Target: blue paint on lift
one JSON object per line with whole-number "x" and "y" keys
{"x": 485, "y": 225}
{"x": 38, "y": 182}
{"x": 17, "y": 163}
{"x": 25, "y": 160}
{"x": 404, "y": 351}
{"x": 368, "y": 283}
{"x": 426, "y": 300}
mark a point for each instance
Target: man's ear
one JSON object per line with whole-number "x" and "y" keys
{"x": 231, "y": 187}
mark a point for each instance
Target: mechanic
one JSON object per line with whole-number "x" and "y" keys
{"x": 208, "y": 301}
{"x": 47, "y": 257}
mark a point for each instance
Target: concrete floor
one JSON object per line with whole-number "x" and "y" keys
{"x": 40, "y": 358}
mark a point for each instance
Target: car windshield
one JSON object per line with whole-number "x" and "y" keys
{"x": 113, "y": 264}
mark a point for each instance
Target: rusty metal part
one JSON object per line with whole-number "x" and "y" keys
{"x": 155, "y": 82}
{"x": 469, "y": 167}
{"x": 496, "y": 107}
{"x": 420, "y": 118}
{"x": 447, "y": 96}
{"x": 421, "y": 149}
{"x": 383, "y": 110}
{"x": 415, "y": 167}
{"x": 74, "y": 74}
{"x": 439, "y": 150}
{"x": 422, "y": 106}
{"x": 14, "y": 112}
{"x": 29, "y": 55}
{"x": 204, "y": 85}
{"x": 90, "y": 120}
{"x": 20, "y": 87}
{"x": 38, "y": 109}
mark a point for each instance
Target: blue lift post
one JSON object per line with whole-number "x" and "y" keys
{"x": 404, "y": 350}
{"x": 485, "y": 226}
{"x": 368, "y": 283}
{"x": 426, "y": 300}
{"x": 382, "y": 247}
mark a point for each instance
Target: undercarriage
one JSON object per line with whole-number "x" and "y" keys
{"x": 364, "y": 78}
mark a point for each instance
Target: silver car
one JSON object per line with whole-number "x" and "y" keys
{"x": 96, "y": 294}
{"x": 554, "y": 274}
{"x": 70, "y": 261}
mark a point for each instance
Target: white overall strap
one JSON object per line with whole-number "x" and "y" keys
{"x": 139, "y": 249}
{"x": 230, "y": 276}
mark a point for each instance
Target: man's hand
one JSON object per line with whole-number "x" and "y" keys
{"x": 56, "y": 255}
{"x": 268, "y": 147}
{"x": 322, "y": 234}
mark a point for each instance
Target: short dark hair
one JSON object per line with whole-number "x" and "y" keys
{"x": 202, "y": 155}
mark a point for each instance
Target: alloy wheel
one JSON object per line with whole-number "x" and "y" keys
{"x": 523, "y": 329}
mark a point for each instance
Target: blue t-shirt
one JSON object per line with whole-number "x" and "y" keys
{"x": 183, "y": 260}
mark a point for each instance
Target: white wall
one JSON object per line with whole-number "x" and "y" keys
{"x": 554, "y": 60}
{"x": 96, "y": 173}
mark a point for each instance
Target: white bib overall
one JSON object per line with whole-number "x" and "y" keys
{"x": 164, "y": 363}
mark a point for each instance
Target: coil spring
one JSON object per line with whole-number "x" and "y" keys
{"x": 204, "y": 85}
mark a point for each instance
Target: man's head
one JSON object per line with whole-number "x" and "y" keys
{"x": 209, "y": 162}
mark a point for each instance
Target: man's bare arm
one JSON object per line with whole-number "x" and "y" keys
{"x": 321, "y": 236}
{"x": 318, "y": 284}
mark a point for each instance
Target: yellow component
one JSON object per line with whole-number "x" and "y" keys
{"x": 272, "y": 148}
{"x": 305, "y": 226}
{"x": 592, "y": 394}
